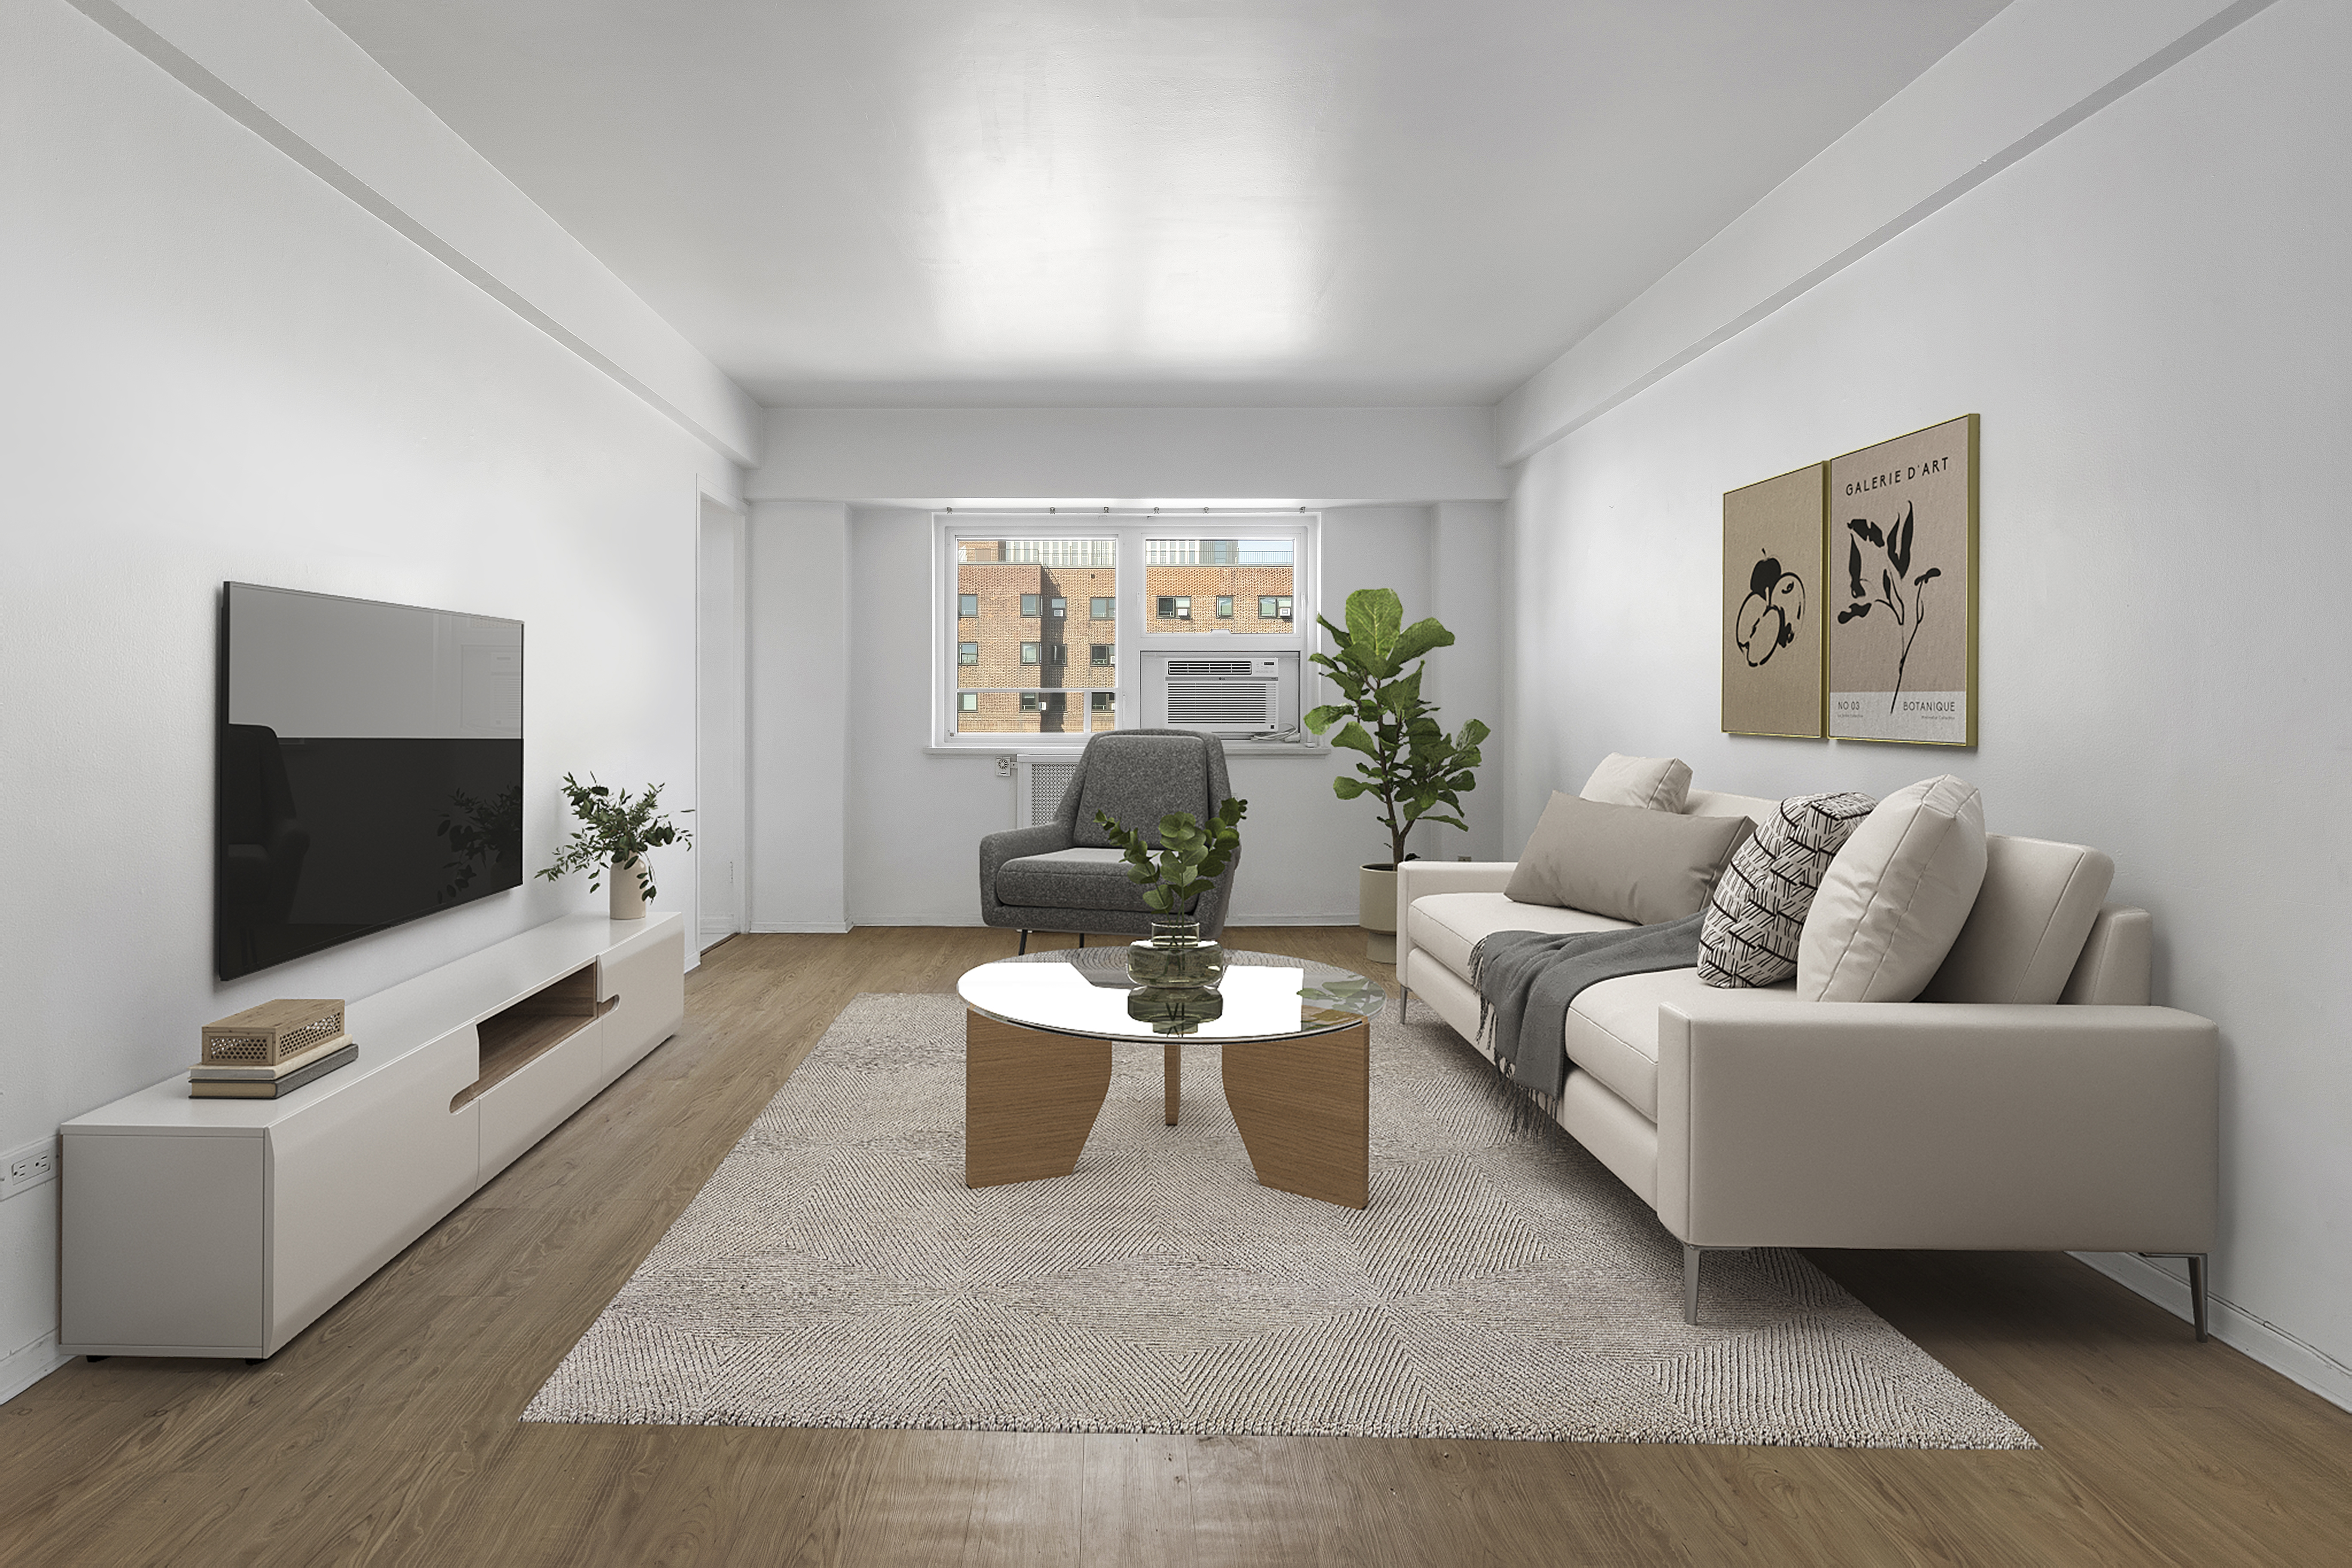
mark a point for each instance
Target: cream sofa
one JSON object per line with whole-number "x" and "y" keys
{"x": 2030, "y": 1100}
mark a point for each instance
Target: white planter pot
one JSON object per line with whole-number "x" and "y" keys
{"x": 628, "y": 894}
{"x": 1376, "y": 912}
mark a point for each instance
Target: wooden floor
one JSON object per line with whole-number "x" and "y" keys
{"x": 387, "y": 1433}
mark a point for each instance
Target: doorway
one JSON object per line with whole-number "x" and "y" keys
{"x": 720, "y": 834}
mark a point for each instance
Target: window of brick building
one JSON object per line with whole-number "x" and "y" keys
{"x": 1100, "y": 655}
{"x": 967, "y": 653}
{"x": 1057, "y": 607}
{"x": 967, "y": 701}
{"x": 1028, "y": 653}
{"x": 1105, "y": 607}
{"x": 1274, "y": 607}
{"x": 1029, "y": 605}
{"x": 968, "y": 606}
{"x": 1175, "y": 607}
{"x": 1225, "y": 607}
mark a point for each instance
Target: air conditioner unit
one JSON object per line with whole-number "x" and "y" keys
{"x": 1039, "y": 779}
{"x": 1220, "y": 694}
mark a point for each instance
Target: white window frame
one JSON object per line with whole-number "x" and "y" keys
{"x": 1130, "y": 641}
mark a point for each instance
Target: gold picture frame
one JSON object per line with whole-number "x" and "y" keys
{"x": 1775, "y": 658}
{"x": 1902, "y": 569}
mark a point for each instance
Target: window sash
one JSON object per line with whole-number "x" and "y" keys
{"x": 1121, "y": 543}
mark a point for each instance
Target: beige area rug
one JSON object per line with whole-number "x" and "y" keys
{"x": 837, "y": 1273}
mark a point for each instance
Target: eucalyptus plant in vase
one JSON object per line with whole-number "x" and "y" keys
{"x": 615, "y": 831}
{"x": 1415, "y": 772}
{"x": 1174, "y": 877}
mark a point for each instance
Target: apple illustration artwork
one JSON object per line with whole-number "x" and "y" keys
{"x": 1768, "y": 617}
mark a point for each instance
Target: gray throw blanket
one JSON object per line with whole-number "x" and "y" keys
{"x": 1526, "y": 979}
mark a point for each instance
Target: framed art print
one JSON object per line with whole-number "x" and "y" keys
{"x": 1772, "y": 605}
{"x": 1903, "y": 588}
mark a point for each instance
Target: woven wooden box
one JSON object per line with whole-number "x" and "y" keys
{"x": 265, "y": 1036}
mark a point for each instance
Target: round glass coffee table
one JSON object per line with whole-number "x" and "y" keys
{"x": 1295, "y": 1038}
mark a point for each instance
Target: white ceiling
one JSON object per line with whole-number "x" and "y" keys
{"x": 1247, "y": 202}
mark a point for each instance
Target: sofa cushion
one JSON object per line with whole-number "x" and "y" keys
{"x": 1069, "y": 880}
{"x": 1634, "y": 865}
{"x": 1758, "y": 909}
{"x": 2026, "y": 931}
{"x": 1894, "y": 899}
{"x": 1613, "y": 1029}
{"x": 1139, "y": 779}
{"x": 1648, "y": 784}
{"x": 1447, "y": 926}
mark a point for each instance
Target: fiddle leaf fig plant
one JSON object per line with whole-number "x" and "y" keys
{"x": 1191, "y": 855}
{"x": 1415, "y": 768}
{"x": 616, "y": 830}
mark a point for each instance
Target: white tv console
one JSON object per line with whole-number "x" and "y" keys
{"x": 224, "y": 1227}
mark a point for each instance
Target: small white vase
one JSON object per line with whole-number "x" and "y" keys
{"x": 628, "y": 893}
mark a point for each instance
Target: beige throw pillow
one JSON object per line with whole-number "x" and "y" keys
{"x": 1654, "y": 783}
{"x": 1622, "y": 862}
{"x": 1895, "y": 898}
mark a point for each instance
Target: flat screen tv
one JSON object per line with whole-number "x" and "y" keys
{"x": 370, "y": 769}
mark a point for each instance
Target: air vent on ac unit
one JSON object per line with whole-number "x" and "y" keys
{"x": 1236, "y": 697}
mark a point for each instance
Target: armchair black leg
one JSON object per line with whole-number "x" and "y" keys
{"x": 1025, "y": 942}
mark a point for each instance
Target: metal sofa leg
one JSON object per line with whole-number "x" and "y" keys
{"x": 1025, "y": 942}
{"x": 1404, "y": 1004}
{"x": 1691, "y": 1255}
{"x": 2196, "y": 1261}
{"x": 1082, "y": 939}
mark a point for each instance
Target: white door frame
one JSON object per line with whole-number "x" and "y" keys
{"x": 707, "y": 500}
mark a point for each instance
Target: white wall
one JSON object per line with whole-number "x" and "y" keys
{"x": 918, "y": 456}
{"x": 219, "y": 366}
{"x": 916, "y": 818}
{"x": 906, "y": 829}
{"x": 800, "y": 707}
{"x": 2149, "y": 313}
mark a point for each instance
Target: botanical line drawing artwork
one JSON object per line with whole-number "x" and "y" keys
{"x": 1769, "y": 616}
{"x": 1893, "y": 579}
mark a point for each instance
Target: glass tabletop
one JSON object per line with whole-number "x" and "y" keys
{"x": 1084, "y": 991}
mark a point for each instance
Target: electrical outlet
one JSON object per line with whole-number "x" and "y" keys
{"x": 29, "y": 1167}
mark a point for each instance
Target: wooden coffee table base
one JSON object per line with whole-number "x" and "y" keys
{"x": 1304, "y": 1107}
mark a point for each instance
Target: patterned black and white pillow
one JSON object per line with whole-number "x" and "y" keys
{"x": 1757, "y": 913}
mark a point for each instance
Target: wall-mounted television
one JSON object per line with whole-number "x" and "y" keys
{"x": 369, "y": 769}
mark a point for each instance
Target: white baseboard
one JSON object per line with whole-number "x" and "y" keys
{"x": 2258, "y": 1337}
{"x": 804, "y": 927}
{"x": 1243, "y": 923}
{"x": 23, "y": 1368}
{"x": 1237, "y": 923}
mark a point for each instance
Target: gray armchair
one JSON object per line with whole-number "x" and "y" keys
{"x": 1064, "y": 875}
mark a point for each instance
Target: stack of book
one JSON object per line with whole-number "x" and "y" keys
{"x": 211, "y": 1080}
{"x": 271, "y": 1050}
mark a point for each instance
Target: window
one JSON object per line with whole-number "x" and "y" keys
{"x": 1008, "y": 585}
{"x": 1228, "y": 573}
